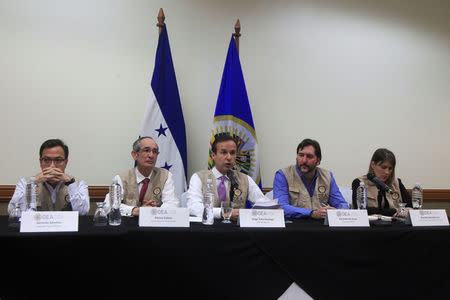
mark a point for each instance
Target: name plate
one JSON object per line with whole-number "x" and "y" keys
{"x": 49, "y": 221}
{"x": 261, "y": 218}
{"x": 163, "y": 217}
{"x": 427, "y": 217}
{"x": 347, "y": 218}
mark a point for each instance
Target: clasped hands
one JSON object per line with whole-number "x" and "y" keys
{"x": 52, "y": 175}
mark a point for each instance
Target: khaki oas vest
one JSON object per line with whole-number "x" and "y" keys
{"x": 372, "y": 193}
{"x": 242, "y": 181}
{"x": 154, "y": 191}
{"x": 298, "y": 194}
{"x": 44, "y": 200}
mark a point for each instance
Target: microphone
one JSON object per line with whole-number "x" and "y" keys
{"x": 234, "y": 185}
{"x": 380, "y": 184}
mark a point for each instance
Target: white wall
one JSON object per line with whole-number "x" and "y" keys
{"x": 355, "y": 75}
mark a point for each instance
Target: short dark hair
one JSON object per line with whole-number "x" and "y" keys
{"x": 54, "y": 143}
{"x": 310, "y": 142}
{"x": 220, "y": 138}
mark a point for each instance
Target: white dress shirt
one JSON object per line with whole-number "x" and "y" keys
{"x": 195, "y": 195}
{"x": 168, "y": 197}
{"x": 78, "y": 194}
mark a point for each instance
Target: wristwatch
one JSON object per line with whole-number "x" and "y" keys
{"x": 70, "y": 181}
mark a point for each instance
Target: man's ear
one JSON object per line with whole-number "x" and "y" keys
{"x": 134, "y": 155}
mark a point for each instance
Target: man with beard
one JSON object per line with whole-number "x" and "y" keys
{"x": 144, "y": 185}
{"x": 304, "y": 189}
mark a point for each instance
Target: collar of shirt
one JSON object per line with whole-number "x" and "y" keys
{"x": 311, "y": 187}
{"x": 53, "y": 191}
{"x": 217, "y": 174}
{"x": 140, "y": 177}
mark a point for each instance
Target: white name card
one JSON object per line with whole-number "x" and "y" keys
{"x": 163, "y": 217}
{"x": 261, "y": 218}
{"x": 427, "y": 217}
{"x": 49, "y": 221}
{"x": 347, "y": 218}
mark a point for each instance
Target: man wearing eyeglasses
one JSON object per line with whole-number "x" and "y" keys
{"x": 56, "y": 190}
{"x": 144, "y": 185}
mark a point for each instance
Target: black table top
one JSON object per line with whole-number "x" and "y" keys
{"x": 258, "y": 263}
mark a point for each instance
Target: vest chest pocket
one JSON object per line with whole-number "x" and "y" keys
{"x": 295, "y": 199}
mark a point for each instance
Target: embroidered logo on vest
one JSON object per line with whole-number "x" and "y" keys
{"x": 237, "y": 192}
{"x": 322, "y": 196}
{"x": 395, "y": 196}
{"x": 322, "y": 189}
{"x": 156, "y": 191}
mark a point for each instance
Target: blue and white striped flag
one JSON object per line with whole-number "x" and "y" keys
{"x": 163, "y": 117}
{"x": 234, "y": 117}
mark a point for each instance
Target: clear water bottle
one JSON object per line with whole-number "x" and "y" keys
{"x": 31, "y": 195}
{"x": 417, "y": 196}
{"x": 208, "y": 202}
{"x": 361, "y": 196}
{"x": 14, "y": 217}
{"x": 115, "y": 198}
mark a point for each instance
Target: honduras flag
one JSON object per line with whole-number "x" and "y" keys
{"x": 233, "y": 116}
{"x": 163, "y": 117}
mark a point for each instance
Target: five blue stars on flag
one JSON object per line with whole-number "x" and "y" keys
{"x": 161, "y": 130}
{"x": 166, "y": 166}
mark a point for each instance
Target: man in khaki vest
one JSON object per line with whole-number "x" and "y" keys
{"x": 304, "y": 189}
{"x": 224, "y": 151}
{"x": 55, "y": 190}
{"x": 144, "y": 185}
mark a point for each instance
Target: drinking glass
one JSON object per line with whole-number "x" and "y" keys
{"x": 100, "y": 216}
{"x": 227, "y": 210}
{"x": 401, "y": 211}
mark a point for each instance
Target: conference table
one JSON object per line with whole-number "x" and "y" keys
{"x": 225, "y": 261}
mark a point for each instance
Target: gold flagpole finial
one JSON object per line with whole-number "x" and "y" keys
{"x": 237, "y": 34}
{"x": 161, "y": 18}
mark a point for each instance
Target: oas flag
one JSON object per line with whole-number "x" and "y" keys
{"x": 234, "y": 117}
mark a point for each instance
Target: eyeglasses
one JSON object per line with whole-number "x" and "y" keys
{"x": 148, "y": 150}
{"x": 48, "y": 161}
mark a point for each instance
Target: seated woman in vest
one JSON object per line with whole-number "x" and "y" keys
{"x": 382, "y": 165}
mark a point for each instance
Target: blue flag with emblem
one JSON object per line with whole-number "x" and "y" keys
{"x": 234, "y": 117}
{"x": 163, "y": 117}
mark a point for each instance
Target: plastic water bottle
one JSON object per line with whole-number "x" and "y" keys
{"x": 31, "y": 195}
{"x": 14, "y": 217}
{"x": 361, "y": 196}
{"x": 208, "y": 202}
{"x": 115, "y": 198}
{"x": 417, "y": 197}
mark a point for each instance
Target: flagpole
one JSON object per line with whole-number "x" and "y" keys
{"x": 237, "y": 34}
{"x": 161, "y": 18}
